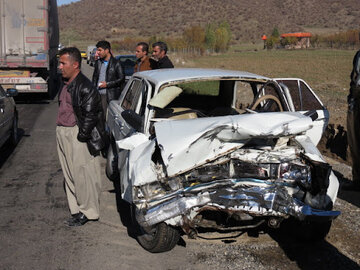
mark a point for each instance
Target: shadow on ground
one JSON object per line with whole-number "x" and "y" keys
{"x": 8, "y": 148}
{"x": 311, "y": 255}
{"x": 334, "y": 144}
{"x": 352, "y": 197}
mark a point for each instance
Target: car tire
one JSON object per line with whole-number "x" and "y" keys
{"x": 14, "y": 137}
{"x": 111, "y": 169}
{"x": 159, "y": 238}
{"x": 308, "y": 231}
{"x": 314, "y": 231}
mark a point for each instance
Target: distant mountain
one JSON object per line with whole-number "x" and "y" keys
{"x": 249, "y": 19}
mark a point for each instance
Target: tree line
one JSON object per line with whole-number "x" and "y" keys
{"x": 195, "y": 39}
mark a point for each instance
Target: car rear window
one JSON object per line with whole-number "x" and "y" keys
{"x": 203, "y": 88}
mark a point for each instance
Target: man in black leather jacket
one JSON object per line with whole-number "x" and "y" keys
{"x": 353, "y": 123}
{"x": 108, "y": 75}
{"x": 160, "y": 55}
{"x": 80, "y": 137}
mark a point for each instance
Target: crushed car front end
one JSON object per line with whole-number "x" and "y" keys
{"x": 231, "y": 173}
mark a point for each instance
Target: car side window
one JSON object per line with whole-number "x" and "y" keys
{"x": 309, "y": 101}
{"x": 293, "y": 87}
{"x": 131, "y": 98}
{"x": 302, "y": 97}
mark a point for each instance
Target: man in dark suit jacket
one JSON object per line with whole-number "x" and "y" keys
{"x": 159, "y": 54}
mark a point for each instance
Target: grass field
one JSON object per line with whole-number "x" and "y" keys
{"x": 326, "y": 71}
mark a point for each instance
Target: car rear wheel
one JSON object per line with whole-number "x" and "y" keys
{"x": 14, "y": 138}
{"x": 159, "y": 238}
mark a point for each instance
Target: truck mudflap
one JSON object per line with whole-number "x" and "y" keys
{"x": 236, "y": 197}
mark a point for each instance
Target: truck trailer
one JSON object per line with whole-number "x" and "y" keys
{"x": 29, "y": 38}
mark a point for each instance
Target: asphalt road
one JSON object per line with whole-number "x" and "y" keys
{"x": 33, "y": 208}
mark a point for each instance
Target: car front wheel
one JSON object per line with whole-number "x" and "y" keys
{"x": 309, "y": 231}
{"x": 111, "y": 169}
{"x": 159, "y": 238}
{"x": 314, "y": 231}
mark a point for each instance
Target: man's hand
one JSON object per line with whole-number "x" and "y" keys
{"x": 102, "y": 84}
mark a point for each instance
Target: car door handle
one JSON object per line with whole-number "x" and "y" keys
{"x": 119, "y": 123}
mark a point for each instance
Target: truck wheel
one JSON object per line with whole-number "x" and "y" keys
{"x": 14, "y": 138}
{"x": 111, "y": 169}
{"x": 159, "y": 238}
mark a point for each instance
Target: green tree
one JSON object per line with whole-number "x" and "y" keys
{"x": 275, "y": 33}
{"x": 194, "y": 37}
{"x": 210, "y": 37}
{"x": 222, "y": 37}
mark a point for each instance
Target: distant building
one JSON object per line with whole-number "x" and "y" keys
{"x": 303, "y": 40}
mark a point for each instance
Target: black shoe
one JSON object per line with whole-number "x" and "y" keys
{"x": 77, "y": 220}
{"x": 351, "y": 186}
{"x": 72, "y": 218}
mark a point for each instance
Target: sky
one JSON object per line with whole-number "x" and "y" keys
{"x": 63, "y": 2}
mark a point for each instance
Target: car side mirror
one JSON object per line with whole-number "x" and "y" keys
{"x": 11, "y": 92}
{"x": 312, "y": 114}
{"x": 133, "y": 119}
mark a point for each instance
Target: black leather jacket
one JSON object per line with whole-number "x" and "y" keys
{"x": 164, "y": 62}
{"x": 355, "y": 73}
{"x": 114, "y": 78}
{"x": 87, "y": 107}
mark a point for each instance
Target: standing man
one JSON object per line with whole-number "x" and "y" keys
{"x": 143, "y": 61}
{"x": 353, "y": 123}
{"x": 108, "y": 75}
{"x": 79, "y": 133}
{"x": 159, "y": 54}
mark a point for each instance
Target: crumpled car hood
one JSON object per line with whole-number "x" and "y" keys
{"x": 186, "y": 144}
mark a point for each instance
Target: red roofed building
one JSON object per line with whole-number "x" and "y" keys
{"x": 303, "y": 40}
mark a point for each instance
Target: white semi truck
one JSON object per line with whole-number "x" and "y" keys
{"x": 29, "y": 37}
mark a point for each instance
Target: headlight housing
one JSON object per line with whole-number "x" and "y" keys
{"x": 298, "y": 172}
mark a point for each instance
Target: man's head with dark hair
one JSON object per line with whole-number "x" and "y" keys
{"x": 103, "y": 50}
{"x": 162, "y": 46}
{"x": 141, "y": 50}
{"x": 69, "y": 62}
{"x": 73, "y": 53}
{"x": 159, "y": 50}
{"x": 103, "y": 44}
{"x": 144, "y": 46}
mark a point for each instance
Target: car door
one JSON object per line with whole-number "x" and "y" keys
{"x": 301, "y": 98}
{"x": 6, "y": 115}
{"x": 134, "y": 100}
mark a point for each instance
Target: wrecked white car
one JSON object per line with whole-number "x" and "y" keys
{"x": 198, "y": 149}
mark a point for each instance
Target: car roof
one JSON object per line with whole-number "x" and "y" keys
{"x": 161, "y": 76}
